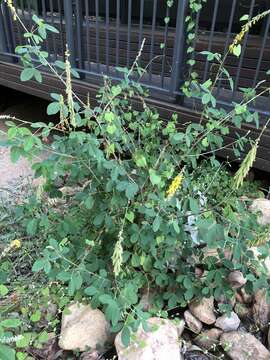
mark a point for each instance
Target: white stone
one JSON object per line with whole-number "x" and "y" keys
{"x": 228, "y": 322}
{"x": 162, "y": 343}
{"x": 84, "y": 328}
{"x": 263, "y": 207}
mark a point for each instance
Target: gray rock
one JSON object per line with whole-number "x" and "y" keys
{"x": 236, "y": 279}
{"x": 263, "y": 207}
{"x": 193, "y": 323}
{"x": 203, "y": 310}
{"x": 261, "y": 309}
{"x": 228, "y": 322}
{"x": 84, "y": 328}
{"x": 208, "y": 339}
{"x": 243, "y": 346}
{"x": 161, "y": 343}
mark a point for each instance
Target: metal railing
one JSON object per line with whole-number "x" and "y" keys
{"x": 103, "y": 35}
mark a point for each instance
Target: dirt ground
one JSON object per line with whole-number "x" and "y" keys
{"x": 30, "y": 110}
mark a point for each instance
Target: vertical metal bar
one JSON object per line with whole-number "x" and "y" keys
{"x": 44, "y": 15}
{"x": 117, "y": 32}
{"x": 165, "y": 47}
{"x": 97, "y": 35}
{"x": 19, "y": 33}
{"x": 68, "y": 11}
{"x": 211, "y": 38}
{"x": 29, "y": 13}
{"x": 266, "y": 32}
{"x": 152, "y": 39}
{"x": 179, "y": 47}
{"x": 22, "y": 8}
{"x": 61, "y": 30}
{"x": 88, "y": 45}
{"x": 7, "y": 23}
{"x": 79, "y": 24}
{"x": 129, "y": 32}
{"x": 236, "y": 82}
{"x": 229, "y": 32}
{"x": 53, "y": 35}
{"x": 141, "y": 22}
{"x": 3, "y": 39}
{"x": 107, "y": 36}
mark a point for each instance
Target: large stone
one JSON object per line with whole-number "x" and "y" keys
{"x": 236, "y": 279}
{"x": 160, "y": 343}
{"x": 203, "y": 310}
{"x": 228, "y": 322}
{"x": 84, "y": 328}
{"x": 261, "y": 309}
{"x": 208, "y": 339}
{"x": 193, "y": 323}
{"x": 240, "y": 345}
{"x": 263, "y": 207}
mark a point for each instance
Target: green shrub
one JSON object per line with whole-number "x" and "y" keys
{"x": 139, "y": 209}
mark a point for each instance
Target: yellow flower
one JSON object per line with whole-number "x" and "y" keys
{"x": 175, "y": 185}
{"x": 16, "y": 244}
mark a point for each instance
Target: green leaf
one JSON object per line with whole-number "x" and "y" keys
{"x": 91, "y": 291}
{"x": 140, "y": 160}
{"x": 105, "y": 299}
{"x": 206, "y": 98}
{"x": 116, "y": 90}
{"x": 156, "y": 223}
{"x": 237, "y": 50}
{"x": 15, "y": 153}
{"x": 75, "y": 282}
{"x": 113, "y": 313}
{"x": 28, "y": 143}
{"x": 51, "y": 29}
{"x": 53, "y": 108}
{"x": 10, "y": 323}
{"x": 240, "y": 109}
{"x": 130, "y": 216}
{"x": 131, "y": 190}
{"x": 244, "y": 17}
{"x": 7, "y": 353}
{"x": 27, "y": 74}
{"x": 24, "y": 341}
{"x": 176, "y": 227}
{"x": 36, "y": 316}
{"x": 89, "y": 202}
{"x": 3, "y": 290}
{"x": 125, "y": 336}
{"x": 37, "y": 75}
{"x": 31, "y": 227}
{"x": 109, "y": 116}
{"x": 38, "y": 265}
{"x": 194, "y": 206}
{"x": 205, "y": 142}
{"x": 43, "y": 337}
{"x": 154, "y": 177}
